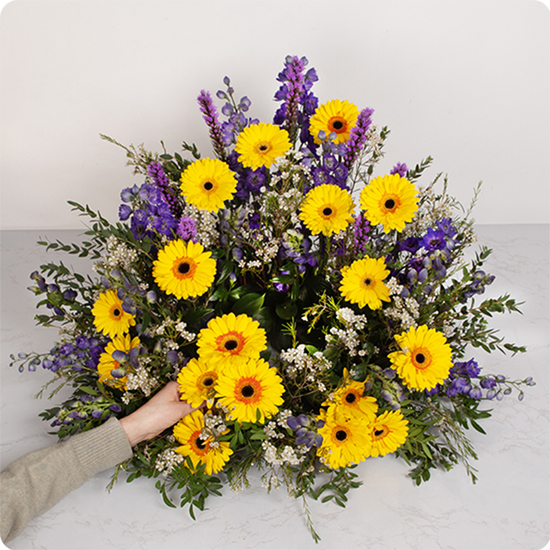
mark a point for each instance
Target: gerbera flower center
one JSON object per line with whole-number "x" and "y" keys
{"x": 184, "y": 268}
{"x": 327, "y": 211}
{"x": 199, "y": 446}
{"x": 263, "y": 147}
{"x": 380, "y": 431}
{"x": 208, "y": 186}
{"x": 248, "y": 390}
{"x": 337, "y": 124}
{"x": 341, "y": 435}
{"x": 389, "y": 203}
{"x": 350, "y": 398}
{"x": 421, "y": 358}
{"x": 207, "y": 380}
{"x": 116, "y": 313}
{"x": 233, "y": 342}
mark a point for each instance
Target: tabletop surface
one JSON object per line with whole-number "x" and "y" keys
{"x": 508, "y": 508}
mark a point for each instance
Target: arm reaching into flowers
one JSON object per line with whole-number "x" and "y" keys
{"x": 34, "y": 483}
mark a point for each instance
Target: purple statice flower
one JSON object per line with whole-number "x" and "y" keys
{"x": 400, "y": 168}
{"x": 358, "y": 136}
{"x": 210, "y": 116}
{"x": 187, "y": 228}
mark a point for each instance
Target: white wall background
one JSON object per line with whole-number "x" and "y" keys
{"x": 467, "y": 82}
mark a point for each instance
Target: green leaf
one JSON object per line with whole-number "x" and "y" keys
{"x": 249, "y": 304}
{"x": 286, "y": 311}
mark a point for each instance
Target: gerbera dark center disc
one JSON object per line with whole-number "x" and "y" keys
{"x": 230, "y": 345}
{"x": 116, "y": 312}
{"x": 200, "y": 443}
{"x": 263, "y": 148}
{"x": 208, "y": 382}
{"x": 184, "y": 268}
{"x": 247, "y": 391}
{"x": 389, "y": 204}
{"x": 378, "y": 433}
{"x": 341, "y": 435}
{"x": 208, "y": 186}
{"x": 368, "y": 281}
{"x": 337, "y": 124}
{"x": 420, "y": 358}
{"x": 350, "y": 397}
{"x": 327, "y": 211}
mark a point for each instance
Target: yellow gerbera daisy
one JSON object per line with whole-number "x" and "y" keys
{"x": 201, "y": 451}
{"x": 109, "y": 317}
{"x": 197, "y": 380}
{"x": 207, "y": 184}
{"x": 231, "y": 340}
{"x": 363, "y": 282}
{"x": 260, "y": 144}
{"x": 425, "y": 358}
{"x": 350, "y": 402}
{"x": 388, "y": 432}
{"x": 327, "y": 209}
{"x": 184, "y": 269}
{"x": 335, "y": 116}
{"x": 107, "y": 364}
{"x": 390, "y": 200}
{"x": 251, "y": 391}
{"x": 345, "y": 440}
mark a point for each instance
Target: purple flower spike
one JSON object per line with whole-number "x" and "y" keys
{"x": 358, "y": 136}
{"x": 210, "y": 116}
{"x": 400, "y": 168}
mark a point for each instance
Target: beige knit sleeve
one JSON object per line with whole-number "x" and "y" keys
{"x": 38, "y": 480}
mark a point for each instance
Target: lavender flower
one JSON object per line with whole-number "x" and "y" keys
{"x": 210, "y": 115}
{"x": 358, "y": 136}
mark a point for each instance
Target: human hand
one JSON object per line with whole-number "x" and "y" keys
{"x": 163, "y": 410}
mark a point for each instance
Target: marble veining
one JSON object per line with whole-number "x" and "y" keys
{"x": 507, "y": 509}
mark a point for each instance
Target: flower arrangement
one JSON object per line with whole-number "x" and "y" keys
{"x": 316, "y": 314}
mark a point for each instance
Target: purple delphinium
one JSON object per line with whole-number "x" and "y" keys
{"x": 400, "y": 168}
{"x": 434, "y": 240}
{"x": 210, "y": 116}
{"x": 84, "y": 353}
{"x": 169, "y": 194}
{"x": 358, "y": 136}
{"x": 294, "y": 92}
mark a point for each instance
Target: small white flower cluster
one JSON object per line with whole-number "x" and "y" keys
{"x": 270, "y": 429}
{"x": 178, "y": 326}
{"x": 300, "y": 361}
{"x": 404, "y": 311}
{"x": 214, "y": 426}
{"x": 166, "y": 461}
{"x": 429, "y": 213}
{"x": 119, "y": 254}
{"x": 349, "y": 336}
{"x": 141, "y": 380}
{"x": 205, "y": 224}
{"x": 286, "y": 455}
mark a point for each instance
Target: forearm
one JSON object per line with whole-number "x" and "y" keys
{"x": 37, "y": 481}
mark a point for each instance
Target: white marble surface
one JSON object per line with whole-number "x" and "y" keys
{"x": 507, "y": 509}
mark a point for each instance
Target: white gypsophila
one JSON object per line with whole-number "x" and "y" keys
{"x": 205, "y": 225}
{"x": 394, "y": 287}
{"x": 298, "y": 360}
{"x": 166, "y": 461}
{"x": 270, "y": 429}
{"x": 346, "y": 316}
{"x": 118, "y": 254}
{"x": 405, "y": 311}
{"x": 282, "y": 416}
{"x": 127, "y": 397}
{"x": 214, "y": 425}
{"x": 277, "y": 457}
{"x": 348, "y": 337}
{"x": 141, "y": 380}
